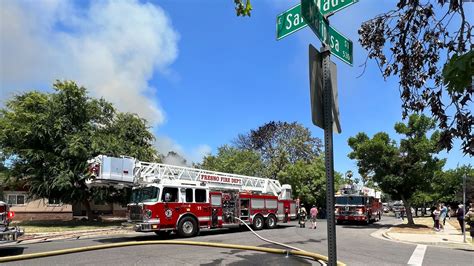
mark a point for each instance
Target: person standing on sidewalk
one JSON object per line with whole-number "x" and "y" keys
{"x": 442, "y": 215}
{"x": 436, "y": 213}
{"x": 314, "y": 213}
{"x": 470, "y": 220}
{"x": 460, "y": 216}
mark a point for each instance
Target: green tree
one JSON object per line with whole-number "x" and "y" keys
{"x": 447, "y": 185}
{"x": 232, "y": 160}
{"x": 3, "y": 177}
{"x": 308, "y": 180}
{"x": 50, "y": 136}
{"x": 431, "y": 53}
{"x": 243, "y": 9}
{"x": 401, "y": 170}
{"x": 280, "y": 144}
{"x": 422, "y": 199}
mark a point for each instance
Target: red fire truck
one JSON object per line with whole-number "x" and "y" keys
{"x": 7, "y": 233}
{"x": 361, "y": 206}
{"x": 168, "y": 198}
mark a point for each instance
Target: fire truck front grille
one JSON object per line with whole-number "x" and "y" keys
{"x": 348, "y": 211}
{"x": 136, "y": 213}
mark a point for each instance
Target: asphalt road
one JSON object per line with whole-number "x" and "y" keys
{"x": 355, "y": 247}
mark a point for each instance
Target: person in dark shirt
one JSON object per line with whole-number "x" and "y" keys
{"x": 460, "y": 216}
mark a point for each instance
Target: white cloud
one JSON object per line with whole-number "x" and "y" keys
{"x": 113, "y": 48}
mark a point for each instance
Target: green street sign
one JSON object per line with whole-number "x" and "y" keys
{"x": 289, "y": 21}
{"x": 332, "y": 6}
{"x": 339, "y": 45}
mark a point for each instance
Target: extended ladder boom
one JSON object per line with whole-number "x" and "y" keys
{"x": 127, "y": 170}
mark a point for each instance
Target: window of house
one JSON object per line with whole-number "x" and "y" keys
{"x": 200, "y": 195}
{"x": 16, "y": 199}
{"x": 54, "y": 202}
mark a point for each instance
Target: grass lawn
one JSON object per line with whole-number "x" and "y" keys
{"x": 32, "y": 227}
{"x": 423, "y": 225}
{"x": 454, "y": 222}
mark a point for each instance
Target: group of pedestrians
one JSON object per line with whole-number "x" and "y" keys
{"x": 439, "y": 214}
{"x": 313, "y": 212}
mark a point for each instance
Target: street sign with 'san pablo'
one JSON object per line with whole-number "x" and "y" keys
{"x": 291, "y": 20}
{"x": 339, "y": 45}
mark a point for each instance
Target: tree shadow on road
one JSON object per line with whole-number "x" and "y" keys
{"x": 259, "y": 258}
{"x": 11, "y": 251}
{"x": 364, "y": 226}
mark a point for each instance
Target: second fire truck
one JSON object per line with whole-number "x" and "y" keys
{"x": 358, "y": 206}
{"x": 168, "y": 198}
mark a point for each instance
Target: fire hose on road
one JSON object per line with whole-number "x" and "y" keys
{"x": 289, "y": 251}
{"x": 165, "y": 242}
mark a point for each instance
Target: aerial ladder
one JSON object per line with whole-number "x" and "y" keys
{"x": 129, "y": 172}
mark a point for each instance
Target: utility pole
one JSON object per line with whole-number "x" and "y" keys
{"x": 464, "y": 206}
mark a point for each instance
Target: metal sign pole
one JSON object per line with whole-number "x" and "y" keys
{"x": 464, "y": 207}
{"x": 329, "y": 162}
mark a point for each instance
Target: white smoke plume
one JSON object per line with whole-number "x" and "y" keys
{"x": 113, "y": 48}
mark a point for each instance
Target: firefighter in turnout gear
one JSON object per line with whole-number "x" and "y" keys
{"x": 302, "y": 216}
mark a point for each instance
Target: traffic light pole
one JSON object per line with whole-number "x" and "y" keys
{"x": 329, "y": 160}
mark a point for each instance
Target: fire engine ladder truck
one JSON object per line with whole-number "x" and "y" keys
{"x": 127, "y": 171}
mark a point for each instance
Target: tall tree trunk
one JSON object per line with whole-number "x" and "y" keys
{"x": 90, "y": 215}
{"x": 408, "y": 213}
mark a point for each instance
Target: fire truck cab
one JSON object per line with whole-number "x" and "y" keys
{"x": 361, "y": 206}
{"x": 7, "y": 232}
{"x": 167, "y": 198}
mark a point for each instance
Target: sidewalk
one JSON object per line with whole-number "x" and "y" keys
{"x": 46, "y": 237}
{"x": 450, "y": 237}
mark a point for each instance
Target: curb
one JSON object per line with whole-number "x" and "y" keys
{"x": 436, "y": 244}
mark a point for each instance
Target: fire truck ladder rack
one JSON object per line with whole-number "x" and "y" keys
{"x": 127, "y": 171}
{"x": 153, "y": 172}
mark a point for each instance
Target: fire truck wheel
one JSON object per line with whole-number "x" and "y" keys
{"x": 187, "y": 227}
{"x": 271, "y": 222}
{"x": 258, "y": 222}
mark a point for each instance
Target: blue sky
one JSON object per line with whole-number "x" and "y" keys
{"x": 198, "y": 72}
{"x": 234, "y": 76}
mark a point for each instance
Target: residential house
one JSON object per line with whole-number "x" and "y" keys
{"x": 26, "y": 208}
